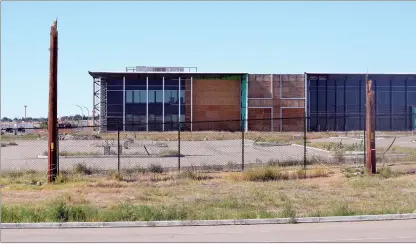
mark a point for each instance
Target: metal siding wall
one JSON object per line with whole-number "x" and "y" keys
{"x": 345, "y": 110}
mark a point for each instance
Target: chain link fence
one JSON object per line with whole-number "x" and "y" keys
{"x": 201, "y": 146}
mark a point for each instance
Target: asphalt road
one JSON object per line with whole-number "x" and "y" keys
{"x": 377, "y": 231}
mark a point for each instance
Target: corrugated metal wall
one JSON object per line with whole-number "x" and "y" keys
{"x": 336, "y": 102}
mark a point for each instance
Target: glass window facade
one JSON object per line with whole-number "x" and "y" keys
{"x": 337, "y": 102}
{"x": 138, "y": 99}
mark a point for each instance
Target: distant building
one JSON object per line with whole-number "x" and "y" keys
{"x": 156, "y": 98}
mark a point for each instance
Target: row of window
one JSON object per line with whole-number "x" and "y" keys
{"x": 131, "y": 118}
{"x": 155, "y": 96}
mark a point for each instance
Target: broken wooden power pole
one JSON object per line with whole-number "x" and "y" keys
{"x": 53, "y": 106}
{"x": 370, "y": 154}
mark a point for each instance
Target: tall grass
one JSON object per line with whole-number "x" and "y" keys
{"x": 270, "y": 173}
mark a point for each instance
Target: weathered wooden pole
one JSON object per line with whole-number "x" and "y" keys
{"x": 370, "y": 129}
{"x": 53, "y": 105}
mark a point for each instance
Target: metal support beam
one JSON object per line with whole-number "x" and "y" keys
{"x": 179, "y": 103}
{"x": 103, "y": 105}
{"x": 147, "y": 103}
{"x": 391, "y": 103}
{"x": 97, "y": 102}
{"x": 191, "y": 103}
{"x": 370, "y": 129}
{"x": 93, "y": 104}
{"x": 326, "y": 102}
{"x": 280, "y": 101}
{"x": 345, "y": 104}
{"x": 306, "y": 90}
{"x": 407, "y": 105}
{"x": 163, "y": 103}
{"x": 336, "y": 107}
{"x": 124, "y": 103}
{"x": 272, "y": 93}
{"x": 246, "y": 106}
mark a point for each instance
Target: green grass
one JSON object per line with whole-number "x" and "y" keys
{"x": 410, "y": 152}
{"x": 20, "y": 137}
{"x": 62, "y": 211}
{"x": 283, "y": 137}
{"x": 270, "y": 192}
{"x": 338, "y": 146}
{"x": 192, "y": 175}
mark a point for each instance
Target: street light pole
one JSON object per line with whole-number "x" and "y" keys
{"x": 82, "y": 112}
{"x": 88, "y": 114}
{"x": 25, "y": 111}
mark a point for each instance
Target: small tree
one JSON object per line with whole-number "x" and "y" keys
{"x": 6, "y": 119}
{"x": 44, "y": 125}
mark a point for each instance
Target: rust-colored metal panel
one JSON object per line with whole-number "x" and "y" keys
{"x": 260, "y": 86}
{"x": 216, "y": 100}
{"x": 293, "y": 119}
{"x": 259, "y": 119}
{"x": 292, "y": 103}
{"x": 293, "y": 86}
{"x": 260, "y": 103}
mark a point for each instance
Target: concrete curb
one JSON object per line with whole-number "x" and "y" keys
{"x": 206, "y": 222}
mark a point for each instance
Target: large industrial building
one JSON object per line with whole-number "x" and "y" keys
{"x": 156, "y": 98}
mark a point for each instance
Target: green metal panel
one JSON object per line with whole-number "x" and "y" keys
{"x": 414, "y": 117}
{"x": 244, "y": 101}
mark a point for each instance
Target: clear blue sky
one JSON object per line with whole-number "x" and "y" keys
{"x": 254, "y": 37}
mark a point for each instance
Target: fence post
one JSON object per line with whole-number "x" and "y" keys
{"x": 304, "y": 143}
{"x": 364, "y": 140}
{"x": 118, "y": 149}
{"x": 179, "y": 145}
{"x": 242, "y": 147}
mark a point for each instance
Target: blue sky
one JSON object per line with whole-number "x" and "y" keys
{"x": 254, "y": 37}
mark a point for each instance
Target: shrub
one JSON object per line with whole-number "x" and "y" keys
{"x": 187, "y": 174}
{"x": 114, "y": 175}
{"x": 170, "y": 153}
{"x": 81, "y": 168}
{"x": 269, "y": 173}
{"x": 155, "y": 168}
{"x": 265, "y": 174}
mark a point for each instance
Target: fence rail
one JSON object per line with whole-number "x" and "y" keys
{"x": 207, "y": 149}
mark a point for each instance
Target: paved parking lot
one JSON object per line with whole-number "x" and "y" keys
{"x": 196, "y": 153}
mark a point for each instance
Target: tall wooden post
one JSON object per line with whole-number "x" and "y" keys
{"x": 370, "y": 129}
{"x": 53, "y": 105}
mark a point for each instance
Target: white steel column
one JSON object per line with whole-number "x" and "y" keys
{"x": 163, "y": 104}
{"x": 191, "y": 101}
{"x": 246, "y": 118}
{"x": 147, "y": 103}
{"x": 124, "y": 103}
{"x": 306, "y": 101}
{"x": 179, "y": 102}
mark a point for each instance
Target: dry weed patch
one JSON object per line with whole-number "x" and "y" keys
{"x": 256, "y": 193}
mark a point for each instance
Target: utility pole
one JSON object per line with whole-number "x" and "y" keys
{"x": 53, "y": 106}
{"x": 370, "y": 139}
{"x": 25, "y": 111}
